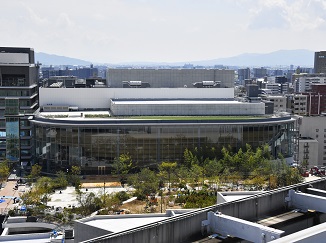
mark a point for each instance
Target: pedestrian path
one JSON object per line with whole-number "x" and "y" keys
{"x": 7, "y": 195}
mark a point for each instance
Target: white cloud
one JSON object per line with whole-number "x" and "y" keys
{"x": 169, "y": 30}
{"x": 295, "y": 15}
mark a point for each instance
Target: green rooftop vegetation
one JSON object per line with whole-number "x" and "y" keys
{"x": 56, "y": 116}
{"x": 97, "y": 115}
{"x": 191, "y": 117}
{"x": 180, "y": 118}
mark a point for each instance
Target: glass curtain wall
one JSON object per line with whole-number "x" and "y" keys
{"x": 12, "y": 129}
{"x": 94, "y": 147}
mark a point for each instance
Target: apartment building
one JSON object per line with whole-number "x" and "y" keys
{"x": 308, "y": 152}
{"x": 297, "y": 104}
{"x": 315, "y": 127}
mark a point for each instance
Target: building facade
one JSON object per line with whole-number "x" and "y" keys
{"x": 279, "y": 102}
{"x": 18, "y": 100}
{"x": 308, "y": 152}
{"x": 66, "y": 139}
{"x": 303, "y": 82}
{"x": 170, "y": 78}
{"x": 259, "y": 72}
{"x": 94, "y": 143}
{"x": 297, "y": 104}
{"x": 316, "y": 99}
{"x": 320, "y": 62}
{"x": 243, "y": 74}
{"x": 315, "y": 127}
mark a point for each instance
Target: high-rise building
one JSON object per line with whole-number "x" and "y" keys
{"x": 243, "y": 73}
{"x": 18, "y": 99}
{"x": 260, "y": 72}
{"x": 320, "y": 62}
{"x": 316, "y": 99}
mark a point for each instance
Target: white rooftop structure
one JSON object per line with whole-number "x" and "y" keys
{"x": 185, "y": 107}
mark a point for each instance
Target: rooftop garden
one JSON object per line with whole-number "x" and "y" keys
{"x": 191, "y": 117}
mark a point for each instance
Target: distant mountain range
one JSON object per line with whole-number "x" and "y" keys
{"x": 55, "y": 60}
{"x": 278, "y": 58}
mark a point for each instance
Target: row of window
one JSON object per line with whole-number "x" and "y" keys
{"x": 9, "y": 93}
{"x": 317, "y": 130}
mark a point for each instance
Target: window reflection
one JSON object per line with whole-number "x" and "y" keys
{"x": 147, "y": 145}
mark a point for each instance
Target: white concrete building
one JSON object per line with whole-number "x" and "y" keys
{"x": 279, "y": 102}
{"x": 274, "y": 87}
{"x": 315, "y": 127}
{"x": 149, "y": 101}
{"x": 185, "y": 108}
{"x": 297, "y": 103}
{"x": 99, "y": 98}
{"x": 308, "y": 151}
{"x": 304, "y": 82}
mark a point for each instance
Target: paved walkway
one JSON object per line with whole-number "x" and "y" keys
{"x": 7, "y": 195}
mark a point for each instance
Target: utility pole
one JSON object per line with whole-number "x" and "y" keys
{"x": 161, "y": 194}
{"x": 104, "y": 193}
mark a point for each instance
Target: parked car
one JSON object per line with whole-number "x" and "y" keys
{"x": 305, "y": 173}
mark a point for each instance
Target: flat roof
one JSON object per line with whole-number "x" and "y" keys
{"x": 177, "y": 102}
{"x": 65, "y": 119}
{"x": 119, "y": 224}
{"x": 270, "y": 221}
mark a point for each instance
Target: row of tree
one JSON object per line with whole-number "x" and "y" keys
{"x": 247, "y": 166}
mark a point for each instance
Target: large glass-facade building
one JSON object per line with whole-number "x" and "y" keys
{"x": 93, "y": 144}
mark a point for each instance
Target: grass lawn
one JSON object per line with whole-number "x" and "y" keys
{"x": 192, "y": 117}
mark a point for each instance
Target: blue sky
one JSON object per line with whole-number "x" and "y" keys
{"x": 113, "y": 31}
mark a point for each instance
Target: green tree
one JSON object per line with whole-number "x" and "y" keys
{"x": 145, "y": 182}
{"x": 44, "y": 186}
{"x": 166, "y": 168}
{"x": 35, "y": 172}
{"x": 61, "y": 180}
{"x": 75, "y": 170}
{"x": 198, "y": 199}
{"x": 4, "y": 170}
{"x": 212, "y": 167}
{"x": 196, "y": 173}
{"x": 121, "y": 166}
{"x": 189, "y": 158}
{"x": 74, "y": 176}
{"x": 88, "y": 202}
{"x": 31, "y": 198}
{"x": 40, "y": 194}
{"x": 183, "y": 173}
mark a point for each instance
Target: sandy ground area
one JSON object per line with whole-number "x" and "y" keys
{"x": 68, "y": 197}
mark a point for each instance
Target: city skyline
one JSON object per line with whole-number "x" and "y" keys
{"x": 169, "y": 31}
